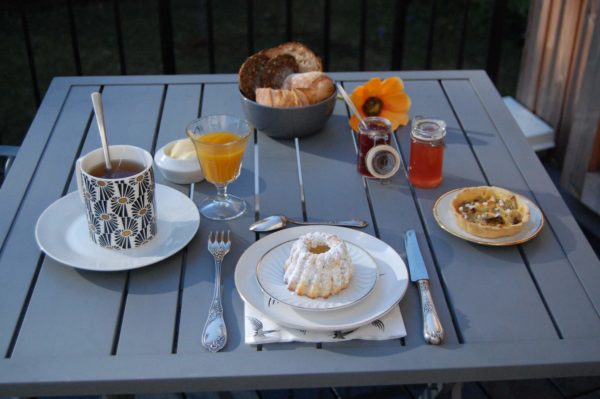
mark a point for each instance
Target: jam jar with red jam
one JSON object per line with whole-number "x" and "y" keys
{"x": 376, "y": 157}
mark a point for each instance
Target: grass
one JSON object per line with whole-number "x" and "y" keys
{"x": 98, "y": 44}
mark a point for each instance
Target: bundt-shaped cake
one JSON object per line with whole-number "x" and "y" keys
{"x": 319, "y": 265}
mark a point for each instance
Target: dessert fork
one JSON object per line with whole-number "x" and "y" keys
{"x": 214, "y": 335}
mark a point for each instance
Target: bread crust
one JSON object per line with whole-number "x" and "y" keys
{"x": 481, "y": 229}
{"x": 277, "y": 69}
{"x": 270, "y": 67}
{"x": 316, "y": 85}
{"x": 250, "y": 74}
{"x": 307, "y": 60}
{"x": 280, "y": 98}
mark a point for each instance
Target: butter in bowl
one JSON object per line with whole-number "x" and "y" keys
{"x": 178, "y": 163}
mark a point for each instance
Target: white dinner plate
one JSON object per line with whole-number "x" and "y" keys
{"x": 442, "y": 211}
{"x": 390, "y": 287}
{"x": 270, "y": 271}
{"x": 61, "y": 232}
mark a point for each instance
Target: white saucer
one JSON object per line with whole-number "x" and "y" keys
{"x": 270, "y": 271}
{"x": 442, "y": 211}
{"x": 389, "y": 288}
{"x": 61, "y": 232}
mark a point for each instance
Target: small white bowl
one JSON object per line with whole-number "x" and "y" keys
{"x": 180, "y": 171}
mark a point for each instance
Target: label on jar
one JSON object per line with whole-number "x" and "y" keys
{"x": 383, "y": 161}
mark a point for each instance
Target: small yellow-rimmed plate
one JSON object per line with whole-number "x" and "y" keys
{"x": 442, "y": 211}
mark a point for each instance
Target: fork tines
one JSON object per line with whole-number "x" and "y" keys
{"x": 222, "y": 240}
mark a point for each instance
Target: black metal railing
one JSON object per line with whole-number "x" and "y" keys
{"x": 399, "y": 10}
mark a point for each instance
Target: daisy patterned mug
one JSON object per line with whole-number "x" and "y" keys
{"x": 120, "y": 208}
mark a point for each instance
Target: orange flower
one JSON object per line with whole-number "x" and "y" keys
{"x": 381, "y": 98}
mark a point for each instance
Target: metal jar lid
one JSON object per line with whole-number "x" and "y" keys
{"x": 428, "y": 129}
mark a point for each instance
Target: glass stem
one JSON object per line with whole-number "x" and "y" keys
{"x": 221, "y": 192}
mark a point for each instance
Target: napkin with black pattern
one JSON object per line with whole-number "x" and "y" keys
{"x": 259, "y": 329}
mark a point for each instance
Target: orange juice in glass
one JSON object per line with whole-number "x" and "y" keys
{"x": 220, "y": 142}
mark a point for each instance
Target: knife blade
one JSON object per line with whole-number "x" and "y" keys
{"x": 433, "y": 331}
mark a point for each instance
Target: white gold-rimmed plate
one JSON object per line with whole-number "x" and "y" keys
{"x": 389, "y": 289}
{"x": 442, "y": 211}
{"x": 61, "y": 232}
{"x": 270, "y": 272}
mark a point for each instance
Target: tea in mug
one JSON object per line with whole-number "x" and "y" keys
{"x": 121, "y": 168}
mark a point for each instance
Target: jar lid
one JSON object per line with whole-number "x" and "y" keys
{"x": 428, "y": 129}
{"x": 375, "y": 125}
{"x": 382, "y": 161}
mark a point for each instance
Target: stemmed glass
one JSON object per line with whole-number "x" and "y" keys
{"x": 220, "y": 142}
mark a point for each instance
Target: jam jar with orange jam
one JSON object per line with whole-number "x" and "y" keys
{"x": 376, "y": 157}
{"x": 426, "y": 152}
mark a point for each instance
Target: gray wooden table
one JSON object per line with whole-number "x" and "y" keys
{"x": 524, "y": 311}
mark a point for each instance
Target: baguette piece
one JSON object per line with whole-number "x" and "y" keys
{"x": 280, "y": 98}
{"x": 316, "y": 85}
{"x": 307, "y": 60}
{"x": 490, "y": 212}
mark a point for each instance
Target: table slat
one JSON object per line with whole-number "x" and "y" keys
{"x": 279, "y": 194}
{"x": 90, "y": 325}
{"x": 333, "y": 189}
{"x": 20, "y": 255}
{"x": 15, "y": 185}
{"x": 581, "y": 255}
{"x": 322, "y": 368}
{"x": 150, "y": 315}
{"x": 199, "y": 273}
{"x": 395, "y": 212}
{"x": 490, "y": 290}
{"x": 550, "y": 267}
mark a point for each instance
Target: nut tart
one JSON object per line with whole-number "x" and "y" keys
{"x": 489, "y": 212}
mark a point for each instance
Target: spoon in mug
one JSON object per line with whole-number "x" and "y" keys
{"x": 99, "y": 111}
{"x": 277, "y": 222}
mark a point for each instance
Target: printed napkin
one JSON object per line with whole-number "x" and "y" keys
{"x": 261, "y": 330}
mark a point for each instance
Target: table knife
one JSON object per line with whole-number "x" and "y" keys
{"x": 432, "y": 328}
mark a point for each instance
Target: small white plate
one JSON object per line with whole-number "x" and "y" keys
{"x": 270, "y": 271}
{"x": 442, "y": 211}
{"x": 61, "y": 232}
{"x": 390, "y": 286}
